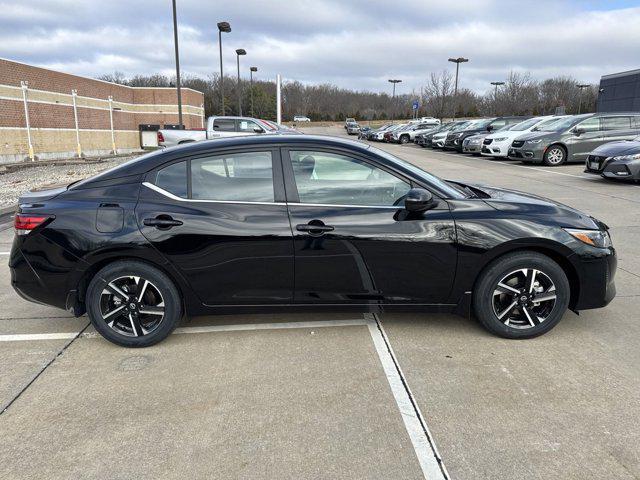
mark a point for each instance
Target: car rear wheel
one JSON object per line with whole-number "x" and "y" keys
{"x": 133, "y": 304}
{"x": 555, "y": 155}
{"x": 521, "y": 295}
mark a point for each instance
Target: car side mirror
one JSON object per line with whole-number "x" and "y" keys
{"x": 489, "y": 128}
{"x": 258, "y": 130}
{"x": 578, "y": 131}
{"x": 418, "y": 200}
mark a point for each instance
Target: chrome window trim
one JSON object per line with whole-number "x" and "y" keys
{"x": 397, "y": 207}
{"x": 170, "y": 195}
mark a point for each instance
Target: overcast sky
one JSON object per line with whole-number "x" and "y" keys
{"x": 353, "y": 44}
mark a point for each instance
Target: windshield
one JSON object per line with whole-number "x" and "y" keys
{"x": 461, "y": 126}
{"x": 557, "y": 125}
{"x": 445, "y": 187}
{"x": 527, "y": 124}
{"x": 480, "y": 123}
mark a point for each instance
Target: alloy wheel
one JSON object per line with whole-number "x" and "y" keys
{"x": 132, "y": 306}
{"x": 524, "y": 298}
{"x": 555, "y": 156}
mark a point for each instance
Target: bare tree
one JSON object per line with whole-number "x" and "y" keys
{"x": 438, "y": 93}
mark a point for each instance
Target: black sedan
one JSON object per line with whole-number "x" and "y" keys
{"x": 616, "y": 160}
{"x": 273, "y": 223}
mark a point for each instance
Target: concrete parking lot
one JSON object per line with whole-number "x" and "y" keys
{"x": 338, "y": 395}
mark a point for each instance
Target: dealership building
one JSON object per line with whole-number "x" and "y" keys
{"x": 47, "y": 114}
{"x": 619, "y": 92}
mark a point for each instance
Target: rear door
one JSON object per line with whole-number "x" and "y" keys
{"x": 354, "y": 242}
{"x": 618, "y": 127}
{"x": 221, "y": 220}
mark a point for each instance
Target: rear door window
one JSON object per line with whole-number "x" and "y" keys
{"x": 616, "y": 123}
{"x": 173, "y": 179}
{"x": 224, "y": 125}
{"x": 241, "y": 177}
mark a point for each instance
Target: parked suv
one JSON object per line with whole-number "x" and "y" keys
{"x": 409, "y": 133}
{"x": 571, "y": 139}
{"x": 348, "y": 121}
{"x": 353, "y": 128}
{"x": 455, "y": 140}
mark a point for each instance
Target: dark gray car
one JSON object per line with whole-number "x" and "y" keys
{"x": 570, "y": 139}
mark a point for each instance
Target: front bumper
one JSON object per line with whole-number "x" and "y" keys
{"x": 495, "y": 150}
{"x": 596, "y": 275}
{"x": 471, "y": 148}
{"x": 526, "y": 154}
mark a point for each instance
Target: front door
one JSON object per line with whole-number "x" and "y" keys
{"x": 590, "y": 137}
{"x": 354, "y": 242}
{"x": 222, "y": 221}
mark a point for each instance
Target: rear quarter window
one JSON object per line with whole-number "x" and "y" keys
{"x": 173, "y": 179}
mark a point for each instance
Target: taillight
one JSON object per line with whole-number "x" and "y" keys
{"x": 24, "y": 223}
{"x": 160, "y": 137}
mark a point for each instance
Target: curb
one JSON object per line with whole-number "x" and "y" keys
{"x": 8, "y": 210}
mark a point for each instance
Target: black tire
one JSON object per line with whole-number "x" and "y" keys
{"x": 120, "y": 328}
{"x": 555, "y": 155}
{"x": 521, "y": 326}
{"x": 404, "y": 139}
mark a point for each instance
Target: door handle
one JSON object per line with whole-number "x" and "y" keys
{"x": 314, "y": 229}
{"x": 162, "y": 222}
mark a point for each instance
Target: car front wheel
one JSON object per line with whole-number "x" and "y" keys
{"x": 554, "y": 156}
{"x": 133, "y": 304}
{"x": 521, "y": 295}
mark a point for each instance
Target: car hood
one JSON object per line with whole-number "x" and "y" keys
{"x": 520, "y": 203}
{"x": 617, "y": 148}
{"x": 535, "y": 135}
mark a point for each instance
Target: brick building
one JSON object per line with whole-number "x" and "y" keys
{"x": 99, "y": 105}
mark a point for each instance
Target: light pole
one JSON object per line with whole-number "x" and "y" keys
{"x": 240, "y": 51}
{"x": 226, "y": 28}
{"x": 495, "y": 95}
{"x": 251, "y": 70}
{"x": 175, "y": 43}
{"x": 393, "y": 81}
{"x": 581, "y": 86}
{"x": 457, "y": 61}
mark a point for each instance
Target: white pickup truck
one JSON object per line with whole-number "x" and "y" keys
{"x": 217, "y": 127}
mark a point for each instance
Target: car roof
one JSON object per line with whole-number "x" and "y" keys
{"x": 145, "y": 163}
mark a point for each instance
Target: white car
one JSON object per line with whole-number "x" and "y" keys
{"x": 426, "y": 120}
{"x": 301, "y": 118}
{"x": 497, "y": 144}
{"x": 408, "y": 134}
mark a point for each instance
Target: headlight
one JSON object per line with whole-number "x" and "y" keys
{"x": 501, "y": 139}
{"x": 595, "y": 238}
{"x": 635, "y": 156}
{"x": 474, "y": 141}
{"x": 534, "y": 141}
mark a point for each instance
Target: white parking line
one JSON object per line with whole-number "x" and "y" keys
{"x": 5, "y": 253}
{"x": 426, "y": 451}
{"x": 421, "y": 439}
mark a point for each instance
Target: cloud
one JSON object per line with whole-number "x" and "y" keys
{"x": 357, "y": 45}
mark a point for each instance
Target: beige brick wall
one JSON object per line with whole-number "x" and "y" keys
{"x": 50, "y": 106}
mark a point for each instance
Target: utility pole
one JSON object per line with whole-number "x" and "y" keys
{"x": 222, "y": 27}
{"x": 457, "y": 61}
{"x": 393, "y": 97}
{"x": 251, "y": 70}
{"x": 581, "y": 86}
{"x": 240, "y": 51}
{"x": 175, "y": 43}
